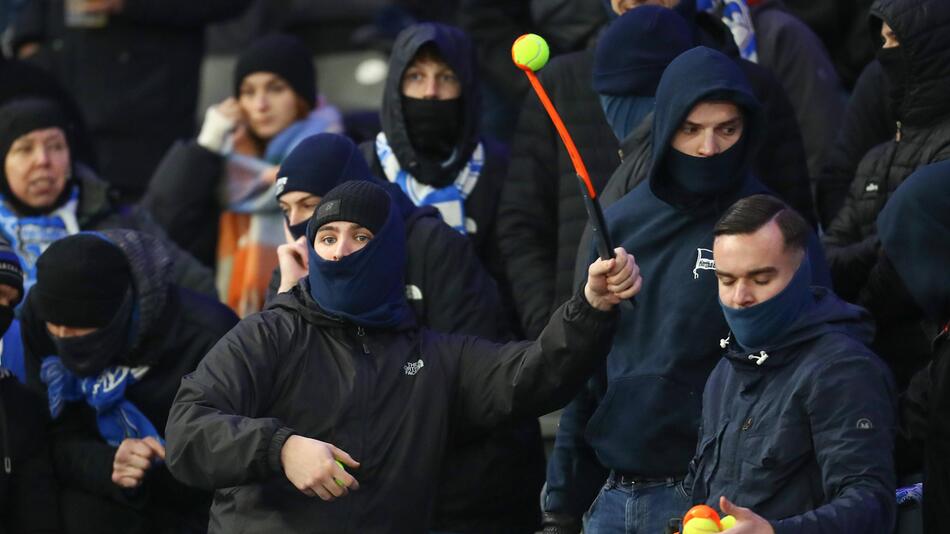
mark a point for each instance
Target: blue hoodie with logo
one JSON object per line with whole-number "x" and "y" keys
{"x": 803, "y": 431}
{"x": 641, "y": 416}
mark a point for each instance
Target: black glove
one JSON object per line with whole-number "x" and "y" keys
{"x": 557, "y": 523}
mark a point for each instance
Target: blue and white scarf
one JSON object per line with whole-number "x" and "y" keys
{"x": 449, "y": 200}
{"x": 117, "y": 418}
{"x": 735, "y": 14}
{"x": 29, "y": 236}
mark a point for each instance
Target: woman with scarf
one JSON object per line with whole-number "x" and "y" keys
{"x": 107, "y": 338}
{"x": 215, "y": 194}
{"x": 46, "y": 194}
{"x": 335, "y": 392}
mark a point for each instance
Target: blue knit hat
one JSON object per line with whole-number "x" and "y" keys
{"x": 319, "y": 163}
{"x": 635, "y": 49}
{"x": 11, "y": 273}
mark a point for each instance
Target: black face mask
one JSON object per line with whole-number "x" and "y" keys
{"x": 297, "y": 230}
{"x": 706, "y": 177}
{"x": 433, "y": 125}
{"x": 895, "y": 68}
{"x": 6, "y": 319}
{"x": 91, "y": 354}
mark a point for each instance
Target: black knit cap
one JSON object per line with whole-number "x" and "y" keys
{"x": 358, "y": 201}
{"x": 284, "y": 55}
{"x": 18, "y": 118}
{"x": 81, "y": 281}
{"x": 319, "y": 163}
{"x": 11, "y": 273}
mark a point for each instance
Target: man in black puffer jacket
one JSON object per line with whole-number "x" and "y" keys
{"x": 108, "y": 336}
{"x": 916, "y": 58}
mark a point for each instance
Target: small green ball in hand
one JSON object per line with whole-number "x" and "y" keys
{"x": 530, "y": 52}
{"x": 338, "y": 481}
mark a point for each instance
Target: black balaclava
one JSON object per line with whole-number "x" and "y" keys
{"x": 11, "y": 274}
{"x": 432, "y": 125}
{"x": 18, "y": 118}
{"x": 318, "y": 164}
{"x": 84, "y": 281}
{"x": 366, "y": 287}
{"x": 284, "y": 55}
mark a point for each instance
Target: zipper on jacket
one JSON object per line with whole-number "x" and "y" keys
{"x": 360, "y": 333}
{"x": 899, "y": 134}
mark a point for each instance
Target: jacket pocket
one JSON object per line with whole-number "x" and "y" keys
{"x": 778, "y": 466}
{"x": 646, "y": 424}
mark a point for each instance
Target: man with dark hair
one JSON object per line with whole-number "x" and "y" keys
{"x": 798, "y": 418}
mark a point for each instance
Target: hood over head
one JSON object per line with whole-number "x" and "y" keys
{"x": 20, "y": 117}
{"x": 701, "y": 74}
{"x": 457, "y": 50}
{"x": 914, "y": 228}
{"x": 918, "y": 69}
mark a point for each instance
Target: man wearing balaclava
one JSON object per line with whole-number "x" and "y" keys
{"x": 108, "y": 337}
{"x": 639, "y": 418}
{"x": 915, "y": 237}
{"x": 915, "y": 54}
{"x": 799, "y": 402}
{"x": 430, "y": 144}
{"x": 331, "y": 411}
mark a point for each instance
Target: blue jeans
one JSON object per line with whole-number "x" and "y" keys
{"x": 637, "y": 508}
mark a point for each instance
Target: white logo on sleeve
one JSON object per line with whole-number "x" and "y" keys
{"x": 704, "y": 261}
{"x": 865, "y": 424}
{"x": 412, "y": 368}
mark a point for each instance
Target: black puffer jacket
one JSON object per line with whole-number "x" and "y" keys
{"x": 28, "y": 502}
{"x": 923, "y": 136}
{"x": 177, "y": 327}
{"x": 391, "y": 398}
{"x": 541, "y": 214}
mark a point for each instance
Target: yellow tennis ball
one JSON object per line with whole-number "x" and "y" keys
{"x": 727, "y": 522}
{"x": 700, "y": 525}
{"x": 530, "y": 51}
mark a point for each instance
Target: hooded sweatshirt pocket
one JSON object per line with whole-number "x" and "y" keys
{"x": 631, "y": 435}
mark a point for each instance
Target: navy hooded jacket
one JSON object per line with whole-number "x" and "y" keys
{"x": 642, "y": 417}
{"x": 803, "y": 436}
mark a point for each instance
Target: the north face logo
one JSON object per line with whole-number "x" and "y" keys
{"x": 704, "y": 261}
{"x": 412, "y": 368}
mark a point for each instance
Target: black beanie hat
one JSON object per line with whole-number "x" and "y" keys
{"x": 11, "y": 273}
{"x": 636, "y": 48}
{"x": 285, "y": 56}
{"x": 319, "y": 163}
{"x": 360, "y": 202}
{"x": 81, "y": 281}
{"x": 18, "y": 118}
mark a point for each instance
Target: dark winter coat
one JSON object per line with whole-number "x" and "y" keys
{"x": 923, "y": 137}
{"x": 390, "y": 398}
{"x": 177, "y": 327}
{"x": 788, "y": 48}
{"x": 640, "y": 416}
{"x": 868, "y": 121}
{"x": 136, "y": 79}
{"x": 28, "y": 502}
{"x": 805, "y": 437}
{"x": 541, "y": 214}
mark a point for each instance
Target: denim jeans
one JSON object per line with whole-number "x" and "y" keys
{"x": 636, "y": 509}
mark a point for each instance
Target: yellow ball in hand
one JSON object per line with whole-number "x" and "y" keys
{"x": 700, "y": 525}
{"x": 727, "y": 522}
{"x": 530, "y": 51}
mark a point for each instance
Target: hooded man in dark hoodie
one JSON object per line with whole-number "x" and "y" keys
{"x": 335, "y": 392}
{"x": 640, "y": 416}
{"x": 915, "y": 237}
{"x": 915, "y": 56}
{"x": 449, "y": 291}
{"x": 798, "y": 419}
{"x": 430, "y": 145}
{"x": 108, "y": 337}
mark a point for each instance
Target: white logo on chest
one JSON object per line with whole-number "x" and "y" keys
{"x": 704, "y": 261}
{"x": 412, "y": 368}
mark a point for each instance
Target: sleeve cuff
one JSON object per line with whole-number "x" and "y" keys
{"x": 276, "y": 445}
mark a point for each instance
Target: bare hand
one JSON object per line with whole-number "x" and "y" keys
{"x": 293, "y": 260}
{"x": 94, "y": 7}
{"x": 747, "y": 521}
{"x": 133, "y": 458}
{"x": 311, "y": 466}
{"x": 613, "y": 280}
{"x": 230, "y": 108}
{"x": 269, "y": 175}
